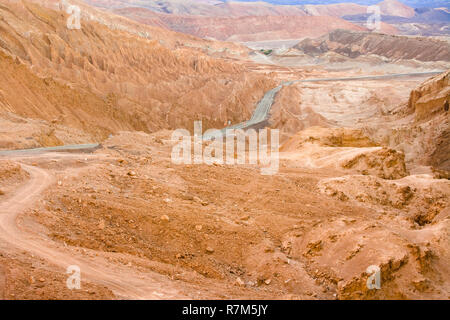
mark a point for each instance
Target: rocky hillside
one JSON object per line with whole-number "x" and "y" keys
{"x": 431, "y": 98}
{"x": 430, "y": 103}
{"x": 355, "y": 44}
{"x": 100, "y": 79}
{"x": 421, "y": 126}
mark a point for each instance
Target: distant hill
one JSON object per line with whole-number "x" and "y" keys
{"x": 412, "y": 3}
{"x": 246, "y": 28}
{"x": 355, "y": 44}
{"x": 425, "y": 22}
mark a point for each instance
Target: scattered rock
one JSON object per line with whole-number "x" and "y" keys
{"x": 384, "y": 163}
{"x": 203, "y": 203}
{"x": 239, "y": 282}
{"x": 186, "y": 196}
{"x": 421, "y": 285}
{"x": 314, "y": 248}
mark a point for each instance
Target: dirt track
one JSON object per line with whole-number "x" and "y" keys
{"x": 124, "y": 285}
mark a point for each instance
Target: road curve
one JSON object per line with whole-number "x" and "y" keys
{"x": 69, "y": 148}
{"x": 262, "y": 111}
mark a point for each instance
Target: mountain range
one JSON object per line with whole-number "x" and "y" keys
{"x": 412, "y": 3}
{"x": 263, "y": 21}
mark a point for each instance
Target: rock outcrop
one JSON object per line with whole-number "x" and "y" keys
{"x": 385, "y": 163}
{"x": 430, "y": 103}
{"x": 329, "y": 137}
{"x": 421, "y": 127}
{"x": 431, "y": 98}
{"x": 344, "y": 148}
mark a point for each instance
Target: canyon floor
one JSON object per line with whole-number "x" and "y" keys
{"x": 141, "y": 227}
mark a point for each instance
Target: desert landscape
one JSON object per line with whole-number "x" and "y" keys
{"x": 89, "y": 113}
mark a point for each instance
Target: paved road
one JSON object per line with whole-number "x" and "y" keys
{"x": 262, "y": 111}
{"x": 70, "y": 148}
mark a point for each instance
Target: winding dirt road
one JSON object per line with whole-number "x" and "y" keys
{"x": 123, "y": 281}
